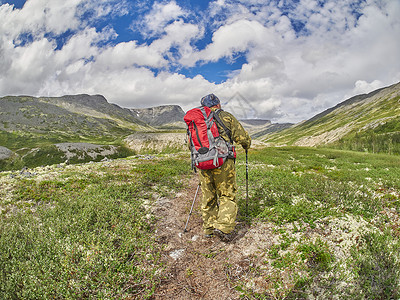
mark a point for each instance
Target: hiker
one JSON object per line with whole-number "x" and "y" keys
{"x": 218, "y": 185}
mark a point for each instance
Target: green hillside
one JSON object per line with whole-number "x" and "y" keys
{"x": 49, "y": 130}
{"x": 368, "y": 122}
{"x": 28, "y": 121}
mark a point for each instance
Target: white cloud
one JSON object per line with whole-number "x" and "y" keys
{"x": 38, "y": 17}
{"x": 327, "y": 61}
{"x": 178, "y": 35}
{"x": 289, "y": 75}
{"x": 160, "y": 16}
{"x": 363, "y": 87}
{"x": 239, "y": 36}
{"x": 143, "y": 87}
{"x": 174, "y": 35}
{"x": 104, "y": 8}
{"x": 28, "y": 67}
{"x": 128, "y": 54}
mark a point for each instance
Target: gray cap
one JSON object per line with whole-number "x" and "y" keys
{"x": 209, "y": 100}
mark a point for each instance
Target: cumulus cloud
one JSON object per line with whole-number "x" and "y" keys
{"x": 161, "y": 14}
{"x": 363, "y": 87}
{"x": 300, "y": 58}
{"x": 231, "y": 39}
{"x": 128, "y": 54}
{"x": 178, "y": 35}
{"x": 39, "y": 17}
{"x": 332, "y": 55}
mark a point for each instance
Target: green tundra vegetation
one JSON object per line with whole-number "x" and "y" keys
{"x": 85, "y": 233}
{"x": 385, "y": 138}
{"x": 305, "y": 192}
{"x": 33, "y": 149}
{"x": 87, "y": 230}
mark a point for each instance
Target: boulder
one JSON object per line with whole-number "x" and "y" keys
{"x": 5, "y": 153}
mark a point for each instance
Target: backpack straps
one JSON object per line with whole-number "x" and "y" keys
{"x": 220, "y": 122}
{"x": 197, "y": 133}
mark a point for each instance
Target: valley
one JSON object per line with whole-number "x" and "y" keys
{"x": 319, "y": 222}
{"x": 94, "y": 199}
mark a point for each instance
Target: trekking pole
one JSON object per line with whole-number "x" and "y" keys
{"x": 191, "y": 209}
{"x": 247, "y": 183}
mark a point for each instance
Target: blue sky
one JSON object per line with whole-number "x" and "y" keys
{"x": 289, "y": 60}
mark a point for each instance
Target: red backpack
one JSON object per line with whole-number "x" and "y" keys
{"x": 208, "y": 149}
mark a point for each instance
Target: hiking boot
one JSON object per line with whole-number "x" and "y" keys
{"x": 225, "y": 237}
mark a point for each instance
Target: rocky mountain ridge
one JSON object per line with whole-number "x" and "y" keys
{"x": 75, "y": 128}
{"x": 367, "y": 116}
{"x": 261, "y": 127}
{"x": 167, "y": 116}
{"x": 83, "y": 114}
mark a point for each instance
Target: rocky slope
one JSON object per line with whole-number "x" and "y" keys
{"x": 161, "y": 116}
{"x": 378, "y": 111}
{"x": 156, "y": 142}
{"x": 79, "y": 114}
{"x": 259, "y": 127}
{"x": 45, "y": 130}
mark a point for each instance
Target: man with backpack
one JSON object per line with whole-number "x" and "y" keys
{"x": 218, "y": 178}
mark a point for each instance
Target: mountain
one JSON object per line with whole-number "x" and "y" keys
{"x": 165, "y": 116}
{"x": 66, "y": 118}
{"x": 171, "y": 117}
{"x": 273, "y": 128}
{"x": 368, "y": 121}
{"x": 72, "y": 128}
{"x": 260, "y": 127}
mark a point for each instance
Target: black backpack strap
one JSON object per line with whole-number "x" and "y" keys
{"x": 193, "y": 164}
{"x": 220, "y": 122}
{"x": 197, "y": 133}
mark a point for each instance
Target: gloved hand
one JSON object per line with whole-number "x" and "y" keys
{"x": 246, "y": 146}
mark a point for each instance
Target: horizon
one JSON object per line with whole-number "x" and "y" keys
{"x": 243, "y": 118}
{"x": 243, "y": 115}
{"x": 288, "y": 60}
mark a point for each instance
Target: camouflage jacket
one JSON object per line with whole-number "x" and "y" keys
{"x": 238, "y": 133}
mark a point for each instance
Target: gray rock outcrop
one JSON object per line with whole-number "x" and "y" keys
{"x": 5, "y": 153}
{"x": 80, "y": 150}
{"x": 156, "y": 142}
{"x": 165, "y": 115}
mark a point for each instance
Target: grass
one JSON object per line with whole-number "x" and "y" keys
{"x": 308, "y": 184}
{"x": 86, "y": 233}
{"x": 373, "y": 141}
{"x": 308, "y": 193}
{"x": 368, "y": 126}
{"x": 377, "y": 269}
{"x": 48, "y": 154}
{"x": 19, "y": 140}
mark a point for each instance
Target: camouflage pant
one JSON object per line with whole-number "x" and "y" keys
{"x": 219, "y": 208}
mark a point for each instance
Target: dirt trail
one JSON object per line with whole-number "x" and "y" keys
{"x": 196, "y": 267}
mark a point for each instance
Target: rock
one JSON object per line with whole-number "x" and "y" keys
{"x": 177, "y": 253}
{"x": 80, "y": 150}
{"x": 5, "y": 153}
{"x": 27, "y": 174}
{"x": 156, "y": 141}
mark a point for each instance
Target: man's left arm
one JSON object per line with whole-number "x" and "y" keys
{"x": 239, "y": 134}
